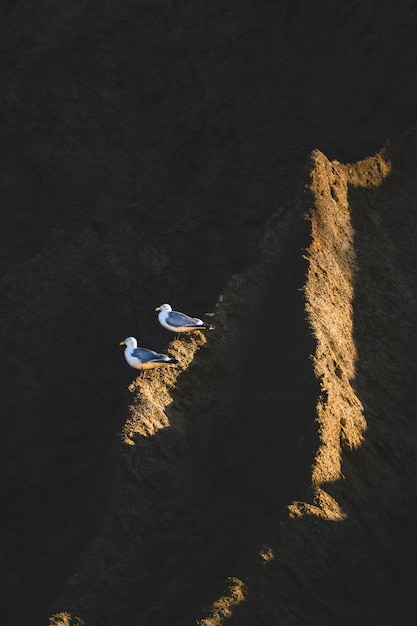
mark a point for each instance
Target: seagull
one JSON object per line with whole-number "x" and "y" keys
{"x": 179, "y": 322}
{"x": 143, "y": 358}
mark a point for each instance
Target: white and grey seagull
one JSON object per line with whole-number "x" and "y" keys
{"x": 179, "y": 322}
{"x": 142, "y": 358}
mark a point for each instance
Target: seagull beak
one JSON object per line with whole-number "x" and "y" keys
{"x": 122, "y": 343}
{"x": 158, "y": 308}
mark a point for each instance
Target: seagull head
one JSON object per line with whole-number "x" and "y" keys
{"x": 164, "y": 307}
{"x": 129, "y": 342}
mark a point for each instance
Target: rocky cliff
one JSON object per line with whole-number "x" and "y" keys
{"x": 256, "y": 164}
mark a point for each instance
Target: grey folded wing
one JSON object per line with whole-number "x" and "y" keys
{"x": 145, "y": 355}
{"x": 175, "y": 318}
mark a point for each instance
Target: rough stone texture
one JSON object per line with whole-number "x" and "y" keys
{"x": 231, "y": 159}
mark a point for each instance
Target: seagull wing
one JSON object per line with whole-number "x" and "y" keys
{"x": 145, "y": 355}
{"x": 177, "y": 319}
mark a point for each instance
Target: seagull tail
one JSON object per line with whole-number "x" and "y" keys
{"x": 207, "y": 327}
{"x": 173, "y": 361}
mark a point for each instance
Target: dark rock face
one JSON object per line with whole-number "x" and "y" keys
{"x": 145, "y": 148}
